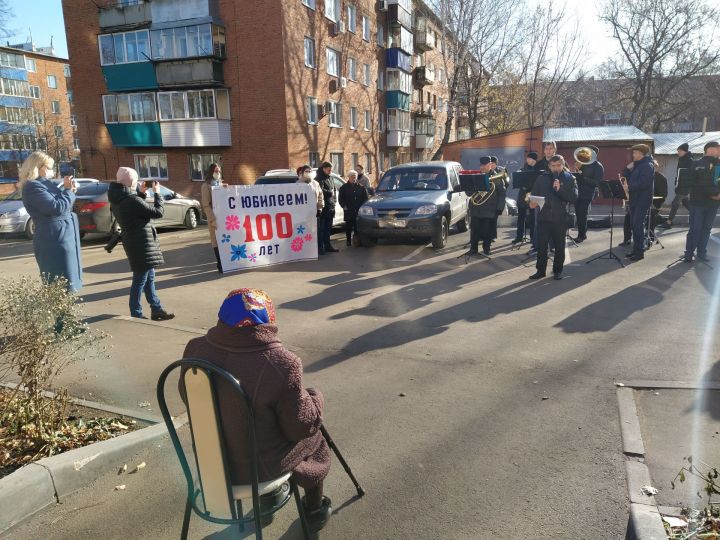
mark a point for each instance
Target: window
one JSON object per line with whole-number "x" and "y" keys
{"x": 193, "y": 104}
{"x": 35, "y": 92}
{"x": 398, "y": 80}
{"x": 188, "y": 41}
{"x": 352, "y": 69}
{"x": 368, "y": 163}
{"x": 336, "y": 158}
{"x": 380, "y": 34}
{"x": 13, "y": 87}
{"x": 398, "y": 120}
{"x": 355, "y": 160}
{"x": 58, "y": 132}
{"x": 440, "y": 104}
{"x": 130, "y": 108}
{"x": 333, "y": 62}
{"x": 64, "y": 154}
{"x": 66, "y": 70}
{"x": 314, "y": 159}
{"x": 200, "y": 104}
{"x": 335, "y": 114}
{"x": 16, "y": 115}
{"x": 200, "y": 163}
{"x": 366, "y": 27}
{"x": 122, "y": 48}
{"x": 309, "y": 52}
{"x": 366, "y": 74}
{"x": 309, "y": 3}
{"x": 381, "y": 79}
{"x": 381, "y": 123}
{"x": 368, "y": 121}
{"x": 441, "y": 75}
{"x": 40, "y": 118}
{"x": 42, "y": 143}
{"x": 73, "y": 121}
{"x": 110, "y": 108}
{"x": 69, "y": 95}
{"x": 30, "y": 64}
{"x": 52, "y": 81}
{"x": 12, "y": 60}
{"x": 332, "y": 10}
{"x": 312, "y": 110}
{"x": 353, "y": 117}
{"x": 76, "y": 144}
{"x": 55, "y": 107}
{"x": 151, "y": 166}
{"x": 351, "y": 18}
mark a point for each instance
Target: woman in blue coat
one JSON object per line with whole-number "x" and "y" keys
{"x": 57, "y": 235}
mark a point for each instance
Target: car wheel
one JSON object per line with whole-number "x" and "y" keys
{"x": 464, "y": 224}
{"x": 366, "y": 241}
{"x": 440, "y": 236}
{"x": 191, "y": 219}
{"x": 30, "y": 229}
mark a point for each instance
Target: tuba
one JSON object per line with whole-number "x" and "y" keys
{"x": 584, "y": 156}
{"x": 481, "y": 197}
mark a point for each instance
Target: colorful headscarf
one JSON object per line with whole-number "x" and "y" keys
{"x": 247, "y": 307}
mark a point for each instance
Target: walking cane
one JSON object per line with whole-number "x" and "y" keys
{"x": 331, "y": 444}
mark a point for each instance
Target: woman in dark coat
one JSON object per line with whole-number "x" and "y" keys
{"x": 288, "y": 417}
{"x": 139, "y": 239}
{"x": 56, "y": 242}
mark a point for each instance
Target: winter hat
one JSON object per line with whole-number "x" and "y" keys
{"x": 533, "y": 155}
{"x": 685, "y": 147}
{"x": 126, "y": 176}
{"x": 325, "y": 165}
{"x": 485, "y": 160}
{"x": 642, "y": 148}
{"x": 247, "y": 307}
{"x": 493, "y": 159}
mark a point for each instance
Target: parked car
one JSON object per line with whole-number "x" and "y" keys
{"x": 93, "y": 209}
{"x": 288, "y": 176}
{"x": 14, "y": 219}
{"x": 415, "y": 200}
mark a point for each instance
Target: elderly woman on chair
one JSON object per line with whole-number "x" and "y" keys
{"x": 287, "y": 416}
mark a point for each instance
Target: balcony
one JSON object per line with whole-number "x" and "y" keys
{"x": 399, "y": 16}
{"x": 135, "y": 134}
{"x": 200, "y": 71}
{"x": 211, "y": 132}
{"x": 425, "y": 38}
{"x": 397, "y": 100}
{"x": 395, "y": 58}
{"x": 396, "y": 139}
{"x": 402, "y": 39}
{"x": 423, "y": 76}
{"x": 124, "y": 14}
{"x": 424, "y": 131}
{"x": 129, "y": 77}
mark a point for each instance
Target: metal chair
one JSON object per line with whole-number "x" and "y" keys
{"x": 220, "y": 498}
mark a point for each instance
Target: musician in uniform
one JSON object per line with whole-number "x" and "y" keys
{"x": 526, "y": 216}
{"x": 704, "y": 202}
{"x": 497, "y": 169}
{"x": 640, "y": 176}
{"x": 588, "y": 181}
{"x": 484, "y": 207}
{"x": 559, "y": 189}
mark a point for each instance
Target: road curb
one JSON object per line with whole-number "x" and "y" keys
{"x": 49, "y": 480}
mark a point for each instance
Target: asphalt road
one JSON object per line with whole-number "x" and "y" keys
{"x": 509, "y": 424}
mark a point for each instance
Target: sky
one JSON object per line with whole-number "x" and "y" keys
{"x": 51, "y": 25}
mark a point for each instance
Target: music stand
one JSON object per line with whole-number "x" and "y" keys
{"x": 613, "y": 190}
{"x": 523, "y": 181}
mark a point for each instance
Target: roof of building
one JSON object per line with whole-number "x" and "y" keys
{"x": 35, "y": 53}
{"x": 596, "y": 133}
{"x": 667, "y": 143}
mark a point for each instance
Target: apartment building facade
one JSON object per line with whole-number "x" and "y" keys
{"x": 169, "y": 86}
{"x": 35, "y": 109}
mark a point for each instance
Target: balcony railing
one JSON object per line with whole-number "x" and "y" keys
{"x": 423, "y": 76}
{"x": 203, "y": 71}
{"x": 124, "y": 14}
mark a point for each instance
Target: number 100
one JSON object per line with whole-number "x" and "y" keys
{"x": 264, "y": 226}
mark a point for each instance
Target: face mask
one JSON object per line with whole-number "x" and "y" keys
{"x": 306, "y": 177}
{"x": 49, "y": 174}
{"x": 217, "y": 176}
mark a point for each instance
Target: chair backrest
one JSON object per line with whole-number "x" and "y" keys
{"x": 207, "y": 442}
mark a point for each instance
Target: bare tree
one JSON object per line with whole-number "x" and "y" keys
{"x": 662, "y": 44}
{"x": 6, "y": 13}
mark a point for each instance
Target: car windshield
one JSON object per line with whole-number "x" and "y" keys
{"x": 414, "y": 179}
{"x": 91, "y": 188}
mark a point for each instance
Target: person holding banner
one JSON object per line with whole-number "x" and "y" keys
{"x": 327, "y": 184}
{"x": 213, "y": 178}
{"x": 306, "y": 176}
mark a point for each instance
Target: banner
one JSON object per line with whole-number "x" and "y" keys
{"x": 265, "y": 225}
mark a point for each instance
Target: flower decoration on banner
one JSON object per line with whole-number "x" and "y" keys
{"x": 297, "y": 244}
{"x": 308, "y": 237}
{"x": 225, "y": 238}
{"x": 253, "y": 257}
{"x": 239, "y": 252}
{"x": 232, "y": 223}
{"x": 301, "y": 229}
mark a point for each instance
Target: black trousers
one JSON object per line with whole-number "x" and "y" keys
{"x": 546, "y": 231}
{"x": 679, "y": 198}
{"x": 636, "y": 221}
{"x": 481, "y": 229}
{"x": 582, "y": 207}
{"x": 350, "y": 227}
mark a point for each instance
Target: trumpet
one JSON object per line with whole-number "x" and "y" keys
{"x": 481, "y": 197}
{"x": 624, "y": 184}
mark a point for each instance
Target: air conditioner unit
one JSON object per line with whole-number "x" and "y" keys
{"x": 343, "y": 82}
{"x": 383, "y": 5}
{"x": 340, "y": 27}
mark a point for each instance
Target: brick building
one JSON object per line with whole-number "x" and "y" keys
{"x": 170, "y": 85}
{"x": 35, "y": 108}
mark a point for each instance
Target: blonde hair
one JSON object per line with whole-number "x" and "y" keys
{"x": 30, "y": 168}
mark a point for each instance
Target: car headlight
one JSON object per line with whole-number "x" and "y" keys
{"x": 366, "y": 211}
{"x": 426, "y": 210}
{"x": 13, "y": 213}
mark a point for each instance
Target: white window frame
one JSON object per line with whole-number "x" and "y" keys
{"x": 335, "y": 116}
{"x": 30, "y": 62}
{"x": 352, "y": 68}
{"x": 366, "y": 28}
{"x": 368, "y": 163}
{"x": 353, "y": 117}
{"x": 66, "y": 70}
{"x": 313, "y": 57}
{"x": 110, "y": 99}
{"x": 123, "y": 34}
{"x": 368, "y": 121}
{"x": 366, "y": 74}
{"x": 58, "y": 132}
{"x": 311, "y": 103}
{"x": 53, "y": 108}
{"x": 35, "y": 90}
{"x": 54, "y": 79}
{"x": 76, "y": 144}
{"x": 205, "y": 161}
{"x": 309, "y": 4}
{"x": 339, "y": 167}
{"x": 160, "y": 158}
{"x": 333, "y": 10}
{"x": 380, "y": 35}
{"x": 337, "y": 64}
{"x": 351, "y": 15}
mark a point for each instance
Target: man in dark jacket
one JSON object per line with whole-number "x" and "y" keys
{"x": 327, "y": 184}
{"x": 685, "y": 161}
{"x": 640, "y": 175}
{"x": 139, "y": 238}
{"x": 588, "y": 182}
{"x": 559, "y": 189}
{"x": 485, "y": 207}
{"x": 704, "y": 201}
{"x": 524, "y": 213}
{"x": 549, "y": 149}
{"x": 351, "y": 197}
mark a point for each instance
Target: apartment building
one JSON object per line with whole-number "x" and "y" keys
{"x": 35, "y": 108}
{"x": 169, "y": 86}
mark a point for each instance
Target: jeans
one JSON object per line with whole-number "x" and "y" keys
{"x": 582, "y": 208}
{"x": 324, "y": 232}
{"x": 143, "y": 282}
{"x": 548, "y": 231}
{"x": 701, "y": 222}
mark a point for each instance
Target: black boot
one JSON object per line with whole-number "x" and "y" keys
{"x": 318, "y": 518}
